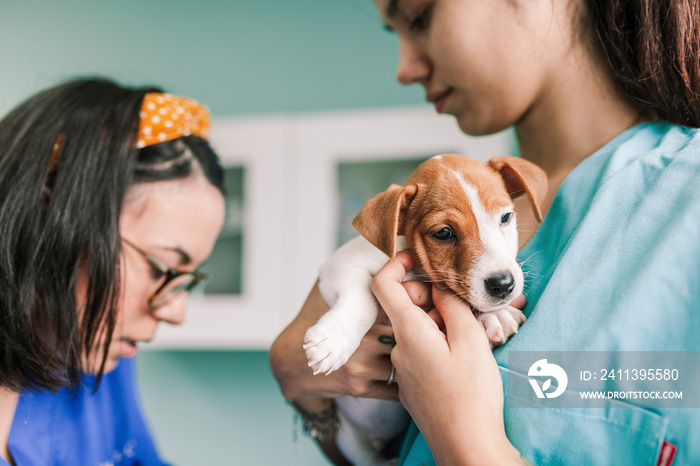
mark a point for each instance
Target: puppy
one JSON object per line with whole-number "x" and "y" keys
{"x": 455, "y": 215}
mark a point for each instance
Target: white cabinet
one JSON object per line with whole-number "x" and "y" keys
{"x": 298, "y": 174}
{"x": 249, "y": 317}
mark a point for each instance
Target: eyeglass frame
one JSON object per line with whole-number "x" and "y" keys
{"x": 169, "y": 274}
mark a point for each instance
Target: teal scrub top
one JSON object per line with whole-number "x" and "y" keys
{"x": 615, "y": 266}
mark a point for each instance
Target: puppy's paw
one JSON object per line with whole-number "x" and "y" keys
{"x": 502, "y": 324}
{"x": 328, "y": 346}
{"x": 493, "y": 328}
{"x": 511, "y": 319}
{"x": 517, "y": 316}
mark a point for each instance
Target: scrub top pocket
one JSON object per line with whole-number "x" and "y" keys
{"x": 619, "y": 434}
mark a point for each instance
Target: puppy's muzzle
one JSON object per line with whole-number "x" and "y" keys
{"x": 500, "y": 285}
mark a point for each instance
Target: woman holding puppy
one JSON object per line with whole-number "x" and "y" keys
{"x": 110, "y": 199}
{"x": 604, "y": 95}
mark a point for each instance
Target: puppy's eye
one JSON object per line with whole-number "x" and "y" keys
{"x": 443, "y": 234}
{"x": 505, "y": 218}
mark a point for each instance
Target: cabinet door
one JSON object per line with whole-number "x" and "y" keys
{"x": 346, "y": 158}
{"x": 238, "y": 308}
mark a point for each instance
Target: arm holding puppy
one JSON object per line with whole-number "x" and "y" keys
{"x": 364, "y": 375}
{"x": 445, "y": 379}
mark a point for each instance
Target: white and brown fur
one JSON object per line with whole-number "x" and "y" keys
{"x": 456, "y": 216}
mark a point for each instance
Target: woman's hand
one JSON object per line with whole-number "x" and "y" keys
{"x": 447, "y": 376}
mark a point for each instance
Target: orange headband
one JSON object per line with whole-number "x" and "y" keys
{"x": 164, "y": 117}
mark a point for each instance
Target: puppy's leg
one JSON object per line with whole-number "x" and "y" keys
{"x": 336, "y": 336}
{"x": 493, "y": 328}
{"x": 366, "y": 425}
{"x": 501, "y": 325}
{"x": 379, "y": 421}
{"x": 344, "y": 282}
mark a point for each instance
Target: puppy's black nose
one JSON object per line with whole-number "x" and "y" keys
{"x": 499, "y": 285}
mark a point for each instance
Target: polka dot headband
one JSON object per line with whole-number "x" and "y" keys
{"x": 165, "y": 117}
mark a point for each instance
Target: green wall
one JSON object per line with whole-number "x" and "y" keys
{"x": 220, "y": 408}
{"x": 239, "y": 57}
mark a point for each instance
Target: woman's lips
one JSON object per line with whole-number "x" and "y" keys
{"x": 439, "y": 99}
{"x": 128, "y": 348}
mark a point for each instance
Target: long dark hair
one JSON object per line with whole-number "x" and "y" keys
{"x": 653, "y": 48}
{"x": 61, "y": 212}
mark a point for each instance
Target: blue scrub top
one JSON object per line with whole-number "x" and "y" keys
{"x": 81, "y": 428}
{"x": 615, "y": 266}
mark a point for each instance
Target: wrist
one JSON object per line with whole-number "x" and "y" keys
{"x": 501, "y": 452}
{"x": 312, "y": 404}
{"x": 491, "y": 450}
{"x": 497, "y": 452}
{"x": 319, "y": 417}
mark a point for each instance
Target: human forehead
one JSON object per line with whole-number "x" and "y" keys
{"x": 185, "y": 214}
{"x": 392, "y": 11}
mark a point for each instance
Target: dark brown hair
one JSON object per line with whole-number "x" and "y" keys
{"x": 56, "y": 217}
{"x": 653, "y": 48}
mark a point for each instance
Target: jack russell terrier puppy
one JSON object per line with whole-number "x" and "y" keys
{"x": 455, "y": 215}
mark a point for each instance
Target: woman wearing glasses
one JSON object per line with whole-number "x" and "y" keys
{"x": 110, "y": 198}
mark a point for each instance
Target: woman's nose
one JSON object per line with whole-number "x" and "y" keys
{"x": 173, "y": 310}
{"x": 413, "y": 66}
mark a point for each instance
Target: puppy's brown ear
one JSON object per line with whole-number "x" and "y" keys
{"x": 522, "y": 176}
{"x": 380, "y": 219}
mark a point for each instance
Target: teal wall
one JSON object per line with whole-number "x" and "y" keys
{"x": 220, "y": 408}
{"x": 239, "y": 57}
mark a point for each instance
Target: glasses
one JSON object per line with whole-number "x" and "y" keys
{"x": 176, "y": 281}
